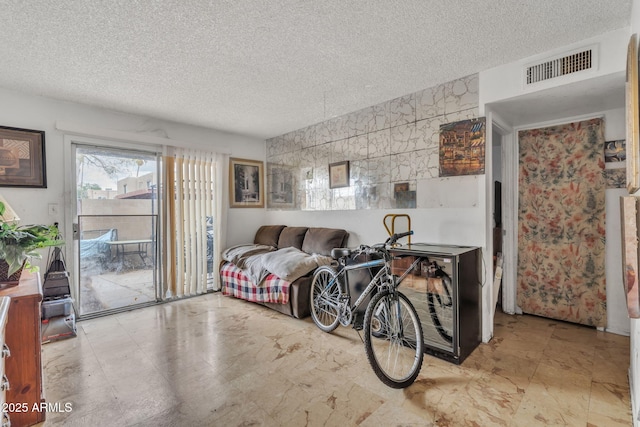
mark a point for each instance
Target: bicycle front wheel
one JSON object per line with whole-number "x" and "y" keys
{"x": 325, "y": 298}
{"x": 393, "y": 339}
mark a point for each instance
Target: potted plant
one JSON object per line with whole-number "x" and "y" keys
{"x": 18, "y": 244}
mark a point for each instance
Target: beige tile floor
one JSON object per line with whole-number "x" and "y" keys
{"x": 217, "y": 361}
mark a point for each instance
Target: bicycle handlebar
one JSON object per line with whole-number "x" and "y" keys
{"x": 395, "y": 237}
{"x": 389, "y": 242}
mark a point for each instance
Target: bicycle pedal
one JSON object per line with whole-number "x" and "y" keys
{"x": 358, "y": 326}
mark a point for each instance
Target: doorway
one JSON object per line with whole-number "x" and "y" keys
{"x": 115, "y": 228}
{"x": 500, "y": 218}
{"x": 561, "y": 227}
{"x": 496, "y": 174}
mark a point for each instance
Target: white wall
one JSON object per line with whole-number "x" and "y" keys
{"x": 33, "y": 112}
{"x": 617, "y": 318}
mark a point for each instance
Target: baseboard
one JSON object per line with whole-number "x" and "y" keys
{"x": 615, "y": 331}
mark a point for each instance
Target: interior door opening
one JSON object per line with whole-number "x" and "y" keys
{"x": 496, "y": 171}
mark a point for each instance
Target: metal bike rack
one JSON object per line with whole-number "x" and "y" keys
{"x": 393, "y": 217}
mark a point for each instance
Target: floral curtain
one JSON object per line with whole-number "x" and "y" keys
{"x": 561, "y": 223}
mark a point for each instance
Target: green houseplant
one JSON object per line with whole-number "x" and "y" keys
{"x": 18, "y": 243}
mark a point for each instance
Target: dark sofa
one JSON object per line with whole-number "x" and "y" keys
{"x": 312, "y": 240}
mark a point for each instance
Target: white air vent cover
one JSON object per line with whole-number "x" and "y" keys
{"x": 582, "y": 60}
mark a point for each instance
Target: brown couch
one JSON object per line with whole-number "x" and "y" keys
{"x": 312, "y": 240}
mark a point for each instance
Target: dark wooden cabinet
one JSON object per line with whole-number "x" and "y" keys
{"x": 24, "y": 367}
{"x": 451, "y": 313}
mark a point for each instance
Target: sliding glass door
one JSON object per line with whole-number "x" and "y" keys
{"x": 116, "y": 228}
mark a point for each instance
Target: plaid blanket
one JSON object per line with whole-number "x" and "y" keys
{"x": 236, "y": 283}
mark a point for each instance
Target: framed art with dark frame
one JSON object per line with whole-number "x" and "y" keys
{"x": 22, "y": 158}
{"x": 631, "y": 91}
{"x": 246, "y": 183}
{"x": 339, "y": 174}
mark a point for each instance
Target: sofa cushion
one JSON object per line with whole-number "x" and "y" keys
{"x": 292, "y": 236}
{"x": 319, "y": 240}
{"x": 268, "y": 235}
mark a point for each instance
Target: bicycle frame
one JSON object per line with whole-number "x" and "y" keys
{"x": 374, "y": 281}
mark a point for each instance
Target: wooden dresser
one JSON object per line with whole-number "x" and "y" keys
{"x": 5, "y": 303}
{"x": 23, "y": 368}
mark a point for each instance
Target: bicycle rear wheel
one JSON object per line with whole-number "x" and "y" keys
{"x": 393, "y": 339}
{"x": 325, "y": 296}
{"x": 441, "y": 309}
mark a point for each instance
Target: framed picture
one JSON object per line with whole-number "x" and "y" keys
{"x": 462, "y": 147}
{"x": 281, "y": 184}
{"x": 631, "y": 95}
{"x": 246, "y": 186}
{"x": 22, "y": 158}
{"x": 339, "y": 174}
{"x": 615, "y": 152}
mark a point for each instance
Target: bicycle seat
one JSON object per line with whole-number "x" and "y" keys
{"x": 337, "y": 253}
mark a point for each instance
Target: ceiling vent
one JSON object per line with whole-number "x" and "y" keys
{"x": 560, "y": 66}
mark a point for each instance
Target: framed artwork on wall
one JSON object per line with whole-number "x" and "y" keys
{"x": 339, "y": 174}
{"x": 404, "y": 198}
{"x": 462, "y": 147}
{"x": 615, "y": 152}
{"x": 22, "y": 158}
{"x": 631, "y": 95}
{"x": 246, "y": 183}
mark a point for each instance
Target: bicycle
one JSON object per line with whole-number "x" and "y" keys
{"x": 393, "y": 338}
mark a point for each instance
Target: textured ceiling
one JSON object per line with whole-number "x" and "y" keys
{"x": 265, "y": 68}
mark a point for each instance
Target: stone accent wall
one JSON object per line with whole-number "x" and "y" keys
{"x": 396, "y": 141}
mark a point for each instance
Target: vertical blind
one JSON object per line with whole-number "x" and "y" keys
{"x": 192, "y": 198}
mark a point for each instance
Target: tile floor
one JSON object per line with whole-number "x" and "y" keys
{"x": 213, "y": 360}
